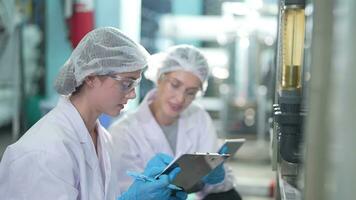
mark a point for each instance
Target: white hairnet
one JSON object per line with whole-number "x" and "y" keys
{"x": 179, "y": 57}
{"x": 102, "y": 51}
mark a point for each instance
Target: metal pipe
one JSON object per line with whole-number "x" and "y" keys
{"x": 330, "y": 143}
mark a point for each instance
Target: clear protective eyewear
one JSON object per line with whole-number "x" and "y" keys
{"x": 126, "y": 84}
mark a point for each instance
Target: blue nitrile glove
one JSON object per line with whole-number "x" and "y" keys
{"x": 155, "y": 189}
{"x": 224, "y": 150}
{"x": 218, "y": 174}
{"x": 180, "y": 195}
{"x": 160, "y": 160}
{"x": 215, "y": 176}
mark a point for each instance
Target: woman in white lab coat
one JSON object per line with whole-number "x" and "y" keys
{"x": 169, "y": 121}
{"x": 67, "y": 154}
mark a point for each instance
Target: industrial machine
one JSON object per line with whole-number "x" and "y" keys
{"x": 288, "y": 108}
{"x": 314, "y": 152}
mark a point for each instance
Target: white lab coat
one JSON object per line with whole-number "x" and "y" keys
{"x": 137, "y": 138}
{"x": 56, "y": 159}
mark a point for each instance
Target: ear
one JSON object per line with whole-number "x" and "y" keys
{"x": 90, "y": 81}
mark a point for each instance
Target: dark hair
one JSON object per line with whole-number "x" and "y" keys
{"x": 78, "y": 89}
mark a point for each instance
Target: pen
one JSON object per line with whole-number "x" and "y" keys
{"x": 145, "y": 178}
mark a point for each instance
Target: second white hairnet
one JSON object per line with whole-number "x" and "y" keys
{"x": 179, "y": 57}
{"x": 102, "y": 51}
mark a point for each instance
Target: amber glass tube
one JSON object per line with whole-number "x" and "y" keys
{"x": 293, "y": 45}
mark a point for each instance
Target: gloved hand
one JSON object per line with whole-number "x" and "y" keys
{"x": 180, "y": 195}
{"x": 224, "y": 150}
{"x": 215, "y": 176}
{"x": 218, "y": 174}
{"x": 159, "y": 161}
{"x": 158, "y": 188}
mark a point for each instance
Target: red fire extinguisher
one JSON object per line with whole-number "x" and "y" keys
{"x": 80, "y": 19}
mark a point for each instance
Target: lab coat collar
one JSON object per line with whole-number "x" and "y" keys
{"x": 148, "y": 121}
{"x": 81, "y": 130}
{"x": 76, "y": 120}
{"x": 144, "y": 113}
{"x": 86, "y": 141}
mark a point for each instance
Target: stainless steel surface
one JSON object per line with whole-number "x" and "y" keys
{"x": 288, "y": 192}
{"x": 288, "y": 169}
{"x": 330, "y": 134}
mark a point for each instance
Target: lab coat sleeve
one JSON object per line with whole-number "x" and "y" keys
{"x": 127, "y": 158}
{"x": 211, "y": 143}
{"x": 36, "y": 175}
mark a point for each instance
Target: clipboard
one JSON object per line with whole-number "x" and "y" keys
{"x": 194, "y": 167}
{"x": 231, "y": 146}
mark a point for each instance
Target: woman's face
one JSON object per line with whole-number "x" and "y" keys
{"x": 112, "y": 92}
{"x": 175, "y": 91}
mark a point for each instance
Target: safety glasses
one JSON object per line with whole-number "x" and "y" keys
{"x": 126, "y": 84}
